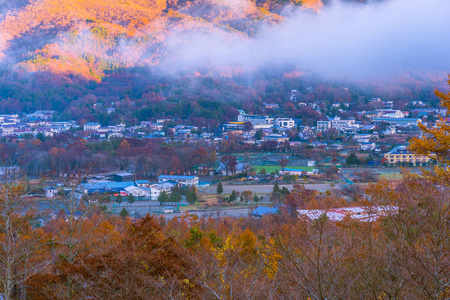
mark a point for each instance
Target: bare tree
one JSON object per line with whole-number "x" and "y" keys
{"x": 283, "y": 163}
{"x": 20, "y": 244}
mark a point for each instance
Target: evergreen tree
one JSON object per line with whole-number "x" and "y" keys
{"x": 119, "y": 199}
{"x": 259, "y": 134}
{"x": 175, "y": 197}
{"x": 277, "y": 194}
{"x": 233, "y": 196}
{"x": 285, "y": 191}
{"x": 276, "y": 187}
{"x": 124, "y": 213}
{"x": 219, "y": 188}
{"x": 40, "y": 137}
{"x": 163, "y": 197}
{"x": 352, "y": 160}
{"x": 131, "y": 199}
{"x": 191, "y": 196}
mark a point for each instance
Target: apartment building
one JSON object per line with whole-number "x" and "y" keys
{"x": 402, "y": 156}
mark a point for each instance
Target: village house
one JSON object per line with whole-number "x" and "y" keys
{"x": 142, "y": 183}
{"x": 271, "y": 106}
{"x": 240, "y": 168}
{"x": 91, "y": 126}
{"x": 362, "y": 138}
{"x": 51, "y": 192}
{"x": 205, "y": 170}
{"x": 155, "y": 191}
{"x": 367, "y": 146}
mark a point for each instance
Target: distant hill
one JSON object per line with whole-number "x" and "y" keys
{"x": 89, "y": 37}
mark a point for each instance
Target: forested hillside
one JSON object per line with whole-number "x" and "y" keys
{"x": 67, "y": 55}
{"x": 90, "y": 37}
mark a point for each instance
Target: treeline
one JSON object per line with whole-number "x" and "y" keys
{"x": 145, "y": 158}
{"x": 403, "y": 255}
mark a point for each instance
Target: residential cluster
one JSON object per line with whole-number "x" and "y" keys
{"x": 122, "y": 183}
{"x": 39, "y": 122}
{"x": 383, "y": 132}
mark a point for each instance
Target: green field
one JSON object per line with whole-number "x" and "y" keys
{"x": 270, "y": 169}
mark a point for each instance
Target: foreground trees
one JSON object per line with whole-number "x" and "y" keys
{"x": 401, "y": 253}
{"x": 23, "y": 249}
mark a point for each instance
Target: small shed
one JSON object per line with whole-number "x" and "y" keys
{"x": 51, "y": 191}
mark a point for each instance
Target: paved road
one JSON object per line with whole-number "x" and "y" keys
{"x": 264, "y": 189}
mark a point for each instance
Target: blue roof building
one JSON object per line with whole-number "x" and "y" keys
{"x": 264, "y": 211}
{"x": 103, "y": 187}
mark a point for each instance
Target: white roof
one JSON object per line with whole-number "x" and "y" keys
{"x": 356, "y": 213}
{"x": 132, "y": 188}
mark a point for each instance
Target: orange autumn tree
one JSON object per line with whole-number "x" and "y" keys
{"x": 435, "y": 141}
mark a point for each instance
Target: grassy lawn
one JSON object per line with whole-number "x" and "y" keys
{"x": 207, "y": 198}
{"x": 270, "y": 169}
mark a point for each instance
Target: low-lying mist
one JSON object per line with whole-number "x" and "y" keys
{"x": 342, "y": 41}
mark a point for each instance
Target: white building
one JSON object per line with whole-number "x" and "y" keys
{"x": 340, "y": 125}
{"x": 390, "y": 130}
{"x": 367, "y": 146}
{"x": 255, "y": 119}
{"x": 91, "y": 126}
{"x": 390, "y": 113}
{"x": 137, "y": 191}
{"x": 155, "y": 191}
{"x": 285, "y": 122}
{"x": 362, "y": 138}
{"x": 323, "y": 126}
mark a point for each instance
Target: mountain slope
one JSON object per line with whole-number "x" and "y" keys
{"x": 90, "y": 37}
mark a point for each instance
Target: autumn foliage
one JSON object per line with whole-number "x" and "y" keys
{"x": 404, "y": 254}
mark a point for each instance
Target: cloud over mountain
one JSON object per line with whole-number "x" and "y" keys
{"x": 339, "y": 39}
